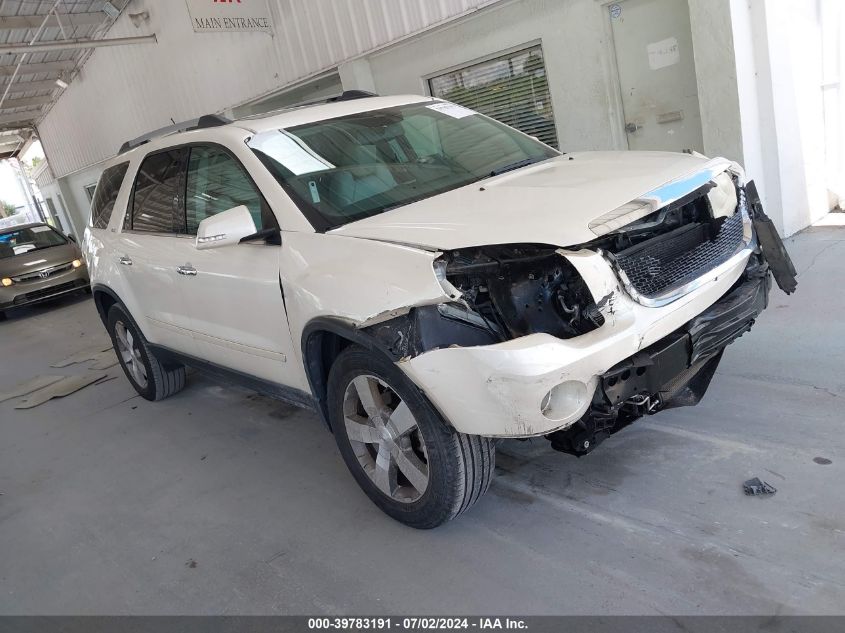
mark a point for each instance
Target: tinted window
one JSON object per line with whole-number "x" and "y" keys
{"x": 216, "y": 183}
{"x": 355, "y": 166}
{"x": 156, "y": 201}
{"x": 33, "y": 238}
{"x": 105, "y": 196}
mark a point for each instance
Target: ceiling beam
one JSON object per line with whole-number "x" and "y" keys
{"x": 43, "y": 67}
{"x": 68, "y": 45}
{"x": 26, "y": 86}
{"x": 26, "y": 102}
{"x": 67, "y": 20}
{"x": 20, "y": 117}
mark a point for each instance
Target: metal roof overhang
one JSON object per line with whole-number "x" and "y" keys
{"x": 43, "y": 44}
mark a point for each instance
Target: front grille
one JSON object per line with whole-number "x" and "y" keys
{"x": 44, "y": 293}
{"x": 668, "y": 261}
{"x": 43, "y": 274}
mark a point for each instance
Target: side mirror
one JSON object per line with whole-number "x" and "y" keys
{"x": 225, "y": 228}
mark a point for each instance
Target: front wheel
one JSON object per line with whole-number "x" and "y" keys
{"x": 152, "y": 379}
{"x": 404, "y": 456}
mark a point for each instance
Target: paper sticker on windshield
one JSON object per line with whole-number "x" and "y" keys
{"x": 39, "y": 229}
{"x": 451, "y": 109}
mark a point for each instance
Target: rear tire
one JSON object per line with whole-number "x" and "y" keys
{"x": 151, "y": 378}
{"x": 404, "y": 456}
{"x": 2, "y": 316}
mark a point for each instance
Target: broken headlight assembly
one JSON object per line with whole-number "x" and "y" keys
{"x": 514, "y": 290}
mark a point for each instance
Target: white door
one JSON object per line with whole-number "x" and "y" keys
{"x": 654, "y": 56}
{"x": 235, "y": 297}
{"x": 150, "y": 251}
{"x": 149, "y": 263}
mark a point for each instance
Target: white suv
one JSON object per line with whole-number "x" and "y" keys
{"x": 427, "y": 279}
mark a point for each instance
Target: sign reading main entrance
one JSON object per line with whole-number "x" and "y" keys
{"x": 218, "y": 16}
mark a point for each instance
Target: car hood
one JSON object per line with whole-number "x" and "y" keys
{"x": 553, "y": 202}
{"x": 38, "y": 260}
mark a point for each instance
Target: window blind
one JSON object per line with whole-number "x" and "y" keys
{"x": 512, "y": 89}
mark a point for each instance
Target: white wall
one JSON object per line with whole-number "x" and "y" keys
{"x": 779, "y": 61}
{"x": 833, "y": 95}
{"x": 578, "y": 53}
{"x": 123, "y": 92}
{"x": 718, "y": 93}
{"x": 758, "y": 63}
{"x": 575, "y": 49}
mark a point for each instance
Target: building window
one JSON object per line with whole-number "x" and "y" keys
{"x": 512, "y": 89}
{"x": 89, "y": 191}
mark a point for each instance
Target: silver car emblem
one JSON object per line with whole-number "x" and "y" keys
{"x": 43, "y": 274}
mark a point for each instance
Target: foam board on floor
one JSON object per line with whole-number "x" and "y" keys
{"x": 90, "y": 353}
{"x": 64, "y": 387}
{"x": 104, "y": 360}
{"x": 33, "y": 384}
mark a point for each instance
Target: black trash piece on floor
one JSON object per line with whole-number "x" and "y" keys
{"x": 756, "y": 487}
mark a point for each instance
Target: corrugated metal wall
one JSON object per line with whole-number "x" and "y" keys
{"x": 123, "y": 92}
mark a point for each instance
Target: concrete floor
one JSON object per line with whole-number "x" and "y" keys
{"x": 221, "y": 501}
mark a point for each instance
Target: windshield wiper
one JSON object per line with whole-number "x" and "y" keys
{"x": 520, "y": 163}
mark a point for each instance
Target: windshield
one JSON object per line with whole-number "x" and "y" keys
{"x": 352, "y": 167}
{"x": 33, "y": 238}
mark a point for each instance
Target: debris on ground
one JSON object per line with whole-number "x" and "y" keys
{"x": 90, "y": 353}
{"x": 823, "y": 461}
{"x": 757, "y": 487}
{"x": 104, "y": 360}
{"x": 64, "y": 387}
{"x": 33, "y": 384}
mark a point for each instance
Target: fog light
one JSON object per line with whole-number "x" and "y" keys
{"x": 6, "y": 282}
{"x": 564, "y": 400}
{"x": 76, "y": 263}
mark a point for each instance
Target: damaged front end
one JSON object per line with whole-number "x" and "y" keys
{"x": 673, "y": 372}
{"x": 575, "y": 344}
{"x": 676, "y": 370}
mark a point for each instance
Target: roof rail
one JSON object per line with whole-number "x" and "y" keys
{"x": 346, "y": 95}
{"x": 205, "y": 121}
{"x": 349, "y": 95}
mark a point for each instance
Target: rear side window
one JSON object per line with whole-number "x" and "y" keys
{"x": 106, "y": 195}
{"x": 157, "y": 199}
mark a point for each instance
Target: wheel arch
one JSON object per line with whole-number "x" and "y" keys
{"x": 322, "y": 341}
{"x": 104, "y": 299}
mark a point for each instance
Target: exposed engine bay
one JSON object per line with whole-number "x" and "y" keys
{"x": 523, "y": 289}
{"x": 500, "y": 293}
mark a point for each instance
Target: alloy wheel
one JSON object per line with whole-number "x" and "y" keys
{"x": 386, "y": 438}
{"x": 130, "y": 354}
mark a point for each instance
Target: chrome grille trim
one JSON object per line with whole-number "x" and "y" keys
{"x": 697, "y": 267}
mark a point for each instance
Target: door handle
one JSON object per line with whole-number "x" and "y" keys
{"x": 126, "y": 261}
{"x": 187, "y": 269}
{"x": 630, "y": 128}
